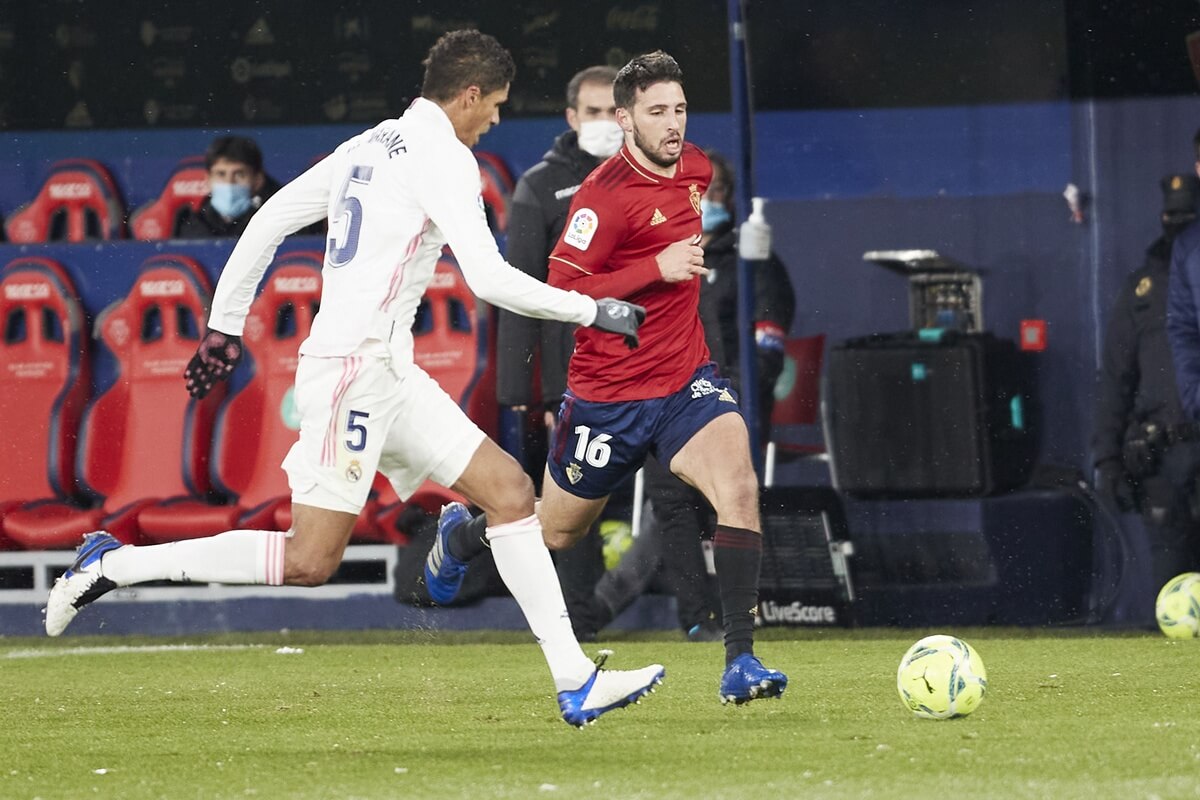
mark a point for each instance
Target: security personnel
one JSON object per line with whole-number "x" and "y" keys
{"x": 1145, "y": 454}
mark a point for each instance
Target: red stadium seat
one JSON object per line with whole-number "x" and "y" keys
{"x": 497, "y": 189}
{"x": 79, "y": 201}
{"x": 799, "y": 407}
{"x": 46, "y": 374}
{"x": 142, "y": 439}
{"x": 185, "y": 189}
{"x": 257, "y": 425}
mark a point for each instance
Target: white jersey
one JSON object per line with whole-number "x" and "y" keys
{"x": 393, "y": 195}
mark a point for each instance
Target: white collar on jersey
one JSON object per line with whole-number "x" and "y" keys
{"x": 425, "y": 109}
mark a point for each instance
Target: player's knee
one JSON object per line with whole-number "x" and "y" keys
{"x": 511, "y": 497}
{"x": 310, "y": 571}
{"x": 560, "y": 540}
{"x": 739, "y": 497}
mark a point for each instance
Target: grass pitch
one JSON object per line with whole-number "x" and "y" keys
{"x": 409, "y": 715}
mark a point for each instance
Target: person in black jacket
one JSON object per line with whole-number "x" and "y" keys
{"x": 1143, "y": 458}
{"x": 774, "y": 296}
{"x": 238, "y": 186}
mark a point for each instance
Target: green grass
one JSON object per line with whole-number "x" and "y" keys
{"x": 412, "y": 715}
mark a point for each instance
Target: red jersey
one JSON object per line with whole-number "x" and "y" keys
{"x": 621, "y": 218}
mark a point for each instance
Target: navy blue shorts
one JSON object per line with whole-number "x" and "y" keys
{"x": 595, "y": 446}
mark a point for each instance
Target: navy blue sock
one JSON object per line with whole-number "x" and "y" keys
{"x": 469, "y": 540}
{"x": 738, "y": 554}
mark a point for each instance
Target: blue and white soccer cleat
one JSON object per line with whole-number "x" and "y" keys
{"x": 607, "y": 690}
{"x": 81, "y": 584}
{"x": 746, "y": 679}
{"x": 443, "y": 572}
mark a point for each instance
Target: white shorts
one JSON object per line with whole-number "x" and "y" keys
{"x": 361, "y": 413}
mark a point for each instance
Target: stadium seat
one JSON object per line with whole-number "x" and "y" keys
{"x": 185, "y": 189}
{"x": 497, "y": 189}
{"x": 142, "y": 438}
{"x": 79, "y": 201}
{"x": 46, "y": 374}
{"x": 257, "y": 426}
{"x": 797, "y": 405}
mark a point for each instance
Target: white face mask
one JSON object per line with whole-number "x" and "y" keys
{"x": 600, "y": 137}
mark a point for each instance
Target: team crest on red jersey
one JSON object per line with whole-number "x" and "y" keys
{"x": 694, "y": 196}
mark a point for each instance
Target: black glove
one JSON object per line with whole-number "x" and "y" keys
{"x": 617, "y": 316}
{"x": 214, "y": 361}
{"x": 1112, "y": 483}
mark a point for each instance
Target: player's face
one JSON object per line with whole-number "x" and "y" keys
{"x": 225, "y": 170}
{"x": 484, "y": 114}
{"x": 657, "y": 122}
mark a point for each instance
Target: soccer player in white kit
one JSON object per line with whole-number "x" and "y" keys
{"x": 393, "y": 195}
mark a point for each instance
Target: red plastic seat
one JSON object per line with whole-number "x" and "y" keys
{"x": 257, "y": 425}
{"x": 797, "y": 403}
{"x": 78, "y": 201}
{"x": 497, "y": 189}
{"x": 185, "y": 189}
{"x": 47, "y": 377}
{"x": 142, "y": 439}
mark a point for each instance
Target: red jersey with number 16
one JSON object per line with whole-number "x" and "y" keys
{"x": 621, "y": 218}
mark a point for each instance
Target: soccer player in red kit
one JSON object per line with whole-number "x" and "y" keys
{"x": 633, "y": 233}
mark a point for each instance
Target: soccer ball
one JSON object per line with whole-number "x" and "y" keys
{"x": 941, "y": 677}
{"x": 1178, "y": 606}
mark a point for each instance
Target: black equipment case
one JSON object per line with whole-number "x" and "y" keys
{"x": 930, "y": 414}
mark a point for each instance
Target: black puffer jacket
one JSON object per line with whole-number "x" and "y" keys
{"x": 539, "y": 211}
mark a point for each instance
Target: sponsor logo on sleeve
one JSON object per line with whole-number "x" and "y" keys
{"x": 581, "y": 229}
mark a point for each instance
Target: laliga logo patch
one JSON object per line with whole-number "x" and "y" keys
{"x": 354, "y": 472}
{"x": 581, "y": 229}
{"x": 574, "y": 473}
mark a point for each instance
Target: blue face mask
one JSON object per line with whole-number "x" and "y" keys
{"x": 231, "y": 200}
{"x": 712, "y": 215}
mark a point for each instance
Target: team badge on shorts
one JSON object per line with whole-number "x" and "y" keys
{"x": 354, "y": 472}
{"x": 694, "y": 196}
{"x": 574, "y": 473}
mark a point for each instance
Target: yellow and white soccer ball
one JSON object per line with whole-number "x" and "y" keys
{"x": 1178, "y": 606}
{"x": 941, "y": 677}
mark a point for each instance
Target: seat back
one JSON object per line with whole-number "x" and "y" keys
{"x": 798, "y": 389}
{"x": 446, "y": 332}
{"x": 185, "y": 189}
{"x": 259, "y": 423}
{"x": 45, "y": 373}
{"x": 78, "y": 201}
{"x": 143, "y": 436}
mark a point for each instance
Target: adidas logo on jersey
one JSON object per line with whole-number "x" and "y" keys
{"x": 659, "y": 218}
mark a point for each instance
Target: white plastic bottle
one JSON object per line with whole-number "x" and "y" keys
{"x": 754, "y": 237}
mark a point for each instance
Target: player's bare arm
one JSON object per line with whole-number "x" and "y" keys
{"x": 681, "y": 261}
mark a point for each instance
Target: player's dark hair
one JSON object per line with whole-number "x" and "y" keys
{"x": 234, "y": 148}
{"x": 599, "y": 74}
{"x": 466, "y": 58}
{"x": 641, "y": 73}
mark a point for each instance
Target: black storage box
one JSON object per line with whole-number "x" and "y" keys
{"x": 930, "y": 414}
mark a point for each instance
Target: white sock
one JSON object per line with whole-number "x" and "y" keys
{"x": 525, "y": 566}
{"x": 233, "y": 557}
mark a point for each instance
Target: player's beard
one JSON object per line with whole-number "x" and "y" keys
{"x": 654, "y": 156}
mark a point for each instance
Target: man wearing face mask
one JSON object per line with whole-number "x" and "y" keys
{"x": 536, "y": 218}
{"x": 237, "y": 187}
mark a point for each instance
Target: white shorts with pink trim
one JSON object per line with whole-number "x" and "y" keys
{"x": 363, "y": 412}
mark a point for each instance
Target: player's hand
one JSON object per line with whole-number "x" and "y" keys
{"x": 681, "y": 261}
{"x": 617, "y": 316}
{"x": 214, "y": 361}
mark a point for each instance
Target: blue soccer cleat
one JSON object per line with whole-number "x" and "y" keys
{"x": 607, "y": 690}
{"x": 443, "y": 572}
{"x": 746, "y": 679}
{"x": 81, "y": 584}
